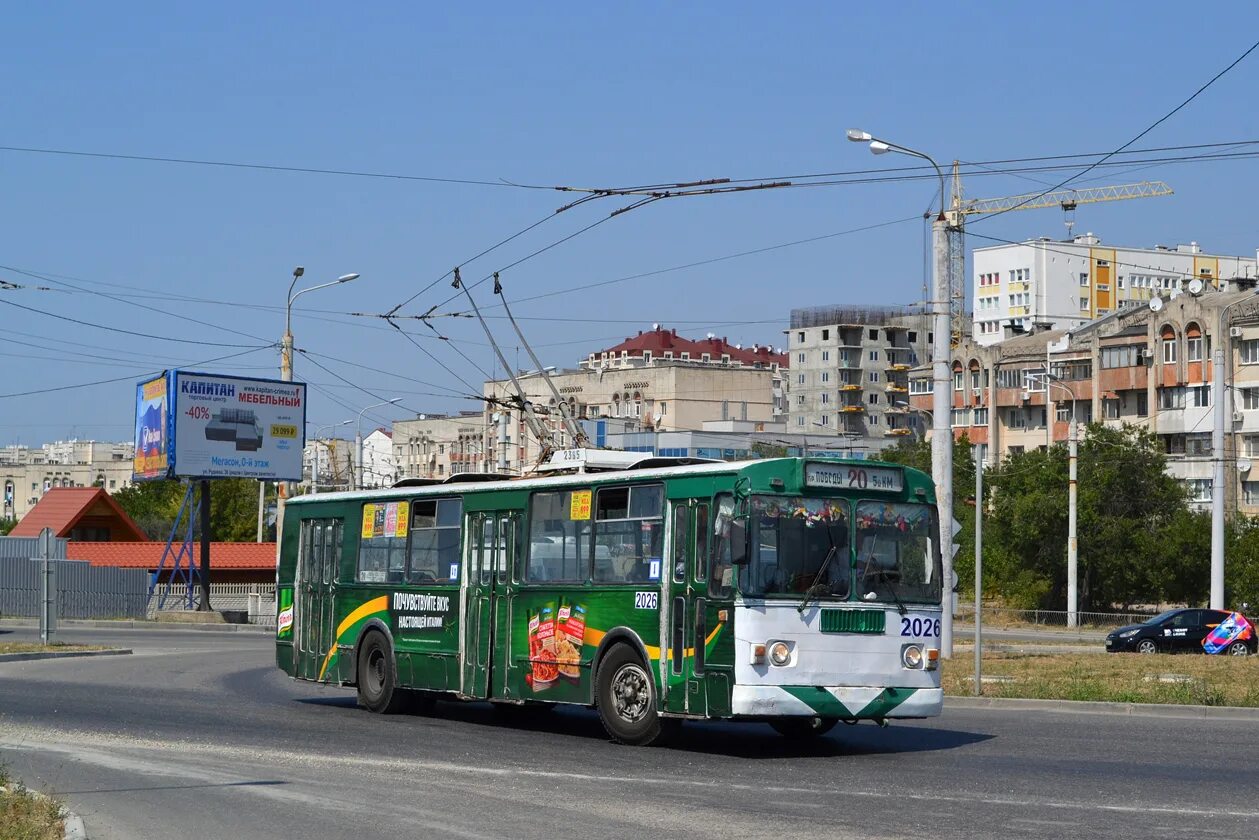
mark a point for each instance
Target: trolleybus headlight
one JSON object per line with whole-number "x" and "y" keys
{"x": 911, "y": 656}
{"x": 780, "y": 653}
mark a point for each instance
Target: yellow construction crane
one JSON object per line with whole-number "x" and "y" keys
{"x": 960, "y": 208}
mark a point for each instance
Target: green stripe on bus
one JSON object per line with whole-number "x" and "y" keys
{"x": 827, "y": 705}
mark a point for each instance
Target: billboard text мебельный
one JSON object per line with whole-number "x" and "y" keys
{"x": 234, "y": 427}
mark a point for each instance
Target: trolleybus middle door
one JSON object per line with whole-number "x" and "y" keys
{"x": 486, "y": 547}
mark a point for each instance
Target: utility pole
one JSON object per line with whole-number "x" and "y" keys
{"x": 979, "y": 571}
{"x": 204, "y": 573}
{"x": 1073, "y": 544}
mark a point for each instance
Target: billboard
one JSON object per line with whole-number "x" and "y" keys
{"x": 203, "y": 425}
{"x": 233, "y": 427}
{"x": 152, "y": 430}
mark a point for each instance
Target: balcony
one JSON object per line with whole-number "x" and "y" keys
{"x": 897, "y": 367}
{"x": 852, "y": 409}
{"x": 893, "y": 388}
{"x": 897, "y": 432}
{"x": 849, "y": 386}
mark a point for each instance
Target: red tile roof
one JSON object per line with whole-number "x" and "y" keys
{"x": 660, "y": 340}
{"x": 147, "y": 555}
{"x": 61, "y": 508}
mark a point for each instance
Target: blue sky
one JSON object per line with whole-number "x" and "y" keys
{"x": 553, "y": 94}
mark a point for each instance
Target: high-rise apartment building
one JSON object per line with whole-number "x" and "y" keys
{"x": 1067, "y": 284}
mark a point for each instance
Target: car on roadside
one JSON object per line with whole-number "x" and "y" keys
{"x": 1180, "y": 631}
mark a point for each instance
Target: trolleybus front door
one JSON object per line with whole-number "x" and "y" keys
{"x": 683, "y": 645}
{"x": 487, "y": 568}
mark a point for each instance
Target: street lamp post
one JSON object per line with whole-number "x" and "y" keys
{"x": 286, "y": 345}
{"x": 941, "y": 433}
{"x": 358, "y": 438}
{"x": 1073, "y": 545}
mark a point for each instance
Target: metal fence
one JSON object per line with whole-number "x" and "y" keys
{"x": 256, "y": 600}
{"x": 22, "y": 548}
{"x": 83, "y": 590}
{"x": 1000, "y": 616}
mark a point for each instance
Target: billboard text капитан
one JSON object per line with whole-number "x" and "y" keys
{"x": 233, "y": 427}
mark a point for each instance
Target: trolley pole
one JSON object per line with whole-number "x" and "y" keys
{"x": 979, "y": 572}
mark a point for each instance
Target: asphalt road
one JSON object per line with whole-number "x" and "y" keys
{"x": 197, "y": 735}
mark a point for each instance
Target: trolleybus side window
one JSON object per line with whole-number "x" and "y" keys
{"x": 435, "y": 541}
{"x": 701, "y": 541}
{"x": 727, "y": 544}
{"x": 628, "y": 533}
{"x": 559, "y": 537}
{"x": 382, "y": 549}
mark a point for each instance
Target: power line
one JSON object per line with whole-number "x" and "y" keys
{"x": 133, "y": 377}
{"x": 126, "y": 332}
{"x": 305, "y": 170}
{"x": 1144, "y": 132}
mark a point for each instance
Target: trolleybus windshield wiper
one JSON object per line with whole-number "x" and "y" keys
{"x": 812, "y": 590}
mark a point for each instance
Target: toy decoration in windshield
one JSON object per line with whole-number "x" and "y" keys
{"x": 900, "y": 517}
{"x": 812, "y": 511}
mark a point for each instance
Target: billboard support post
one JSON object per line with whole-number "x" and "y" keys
{"x": 205, "y": 545}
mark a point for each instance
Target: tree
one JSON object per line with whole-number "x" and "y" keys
{"x": 154, "y": 505}
{"x": 1137, "y": 541}
{"x": 7, "y": 525}
{"x": 917, "y": 454}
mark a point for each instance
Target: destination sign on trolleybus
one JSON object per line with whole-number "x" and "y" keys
{"x": 849, "y": 477}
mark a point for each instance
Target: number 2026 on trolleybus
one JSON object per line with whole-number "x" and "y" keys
{"x": 792, "y": 591}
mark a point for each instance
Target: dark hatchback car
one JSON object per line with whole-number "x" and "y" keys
{"x": 1178, "y": 631}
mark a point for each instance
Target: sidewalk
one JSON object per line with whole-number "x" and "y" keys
{"x": 137, "y": 624}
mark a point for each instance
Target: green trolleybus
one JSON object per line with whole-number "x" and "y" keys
{"x": 798, "y": 592}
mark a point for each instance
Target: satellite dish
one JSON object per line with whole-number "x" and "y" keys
{"x": 1195, "y": 286}
{"x": 1174, "y": 293}
{"x": 1156, "y": 304}
{"x": 1243, "y": 465}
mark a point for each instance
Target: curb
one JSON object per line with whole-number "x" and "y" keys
{"x": 60, "y": 654}
{"x": 1093, "y": 707}
{"x": 134, "y": 624}
{"x": 72, "y": 827}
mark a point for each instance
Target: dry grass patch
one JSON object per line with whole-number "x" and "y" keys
{"x": 1114, "y": 678}
{"x": 25, "y": 816}
{"x": 36, "y": 647}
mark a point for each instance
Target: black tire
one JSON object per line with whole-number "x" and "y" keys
{"x": 801, "y": 728}
{"x": 378, "y": 678}
{"x": 625, "y": 694}
{"x": 1147, "y": 646}
{"x": 1238, "y": 648}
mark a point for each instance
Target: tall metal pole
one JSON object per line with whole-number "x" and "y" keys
{"x": 1073, "y": 546}
{"x": 262, "y": 503}
{"x": 979, "y": 572}
{"x": 205, "y": 546}
{"x": 941, "y": 432}
{"x": 1220, "y": 400}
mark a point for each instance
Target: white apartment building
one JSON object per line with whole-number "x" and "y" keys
{"x": 1064, "y": 284}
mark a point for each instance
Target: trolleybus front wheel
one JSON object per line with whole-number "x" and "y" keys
{"x": 803, "y": 727}
{"x": 626, "y": 697}
{"x": 377, "y": 679}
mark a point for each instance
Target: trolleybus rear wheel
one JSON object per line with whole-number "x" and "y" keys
{"x": 803, "y": 727}
{"x": 377, "y": 679}
{"x": 626, "y": 697}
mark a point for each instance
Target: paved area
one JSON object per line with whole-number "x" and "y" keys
{"x": 196, "y": 735}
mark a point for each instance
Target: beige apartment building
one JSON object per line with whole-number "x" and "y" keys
{"x": 1139, "y": 365}
{"x": 27, "y": 473}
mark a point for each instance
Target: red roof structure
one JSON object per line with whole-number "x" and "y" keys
{"x": 660, "y": 341}
{"x": 147, "y": 555}
{"x": 79, "y": 513}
